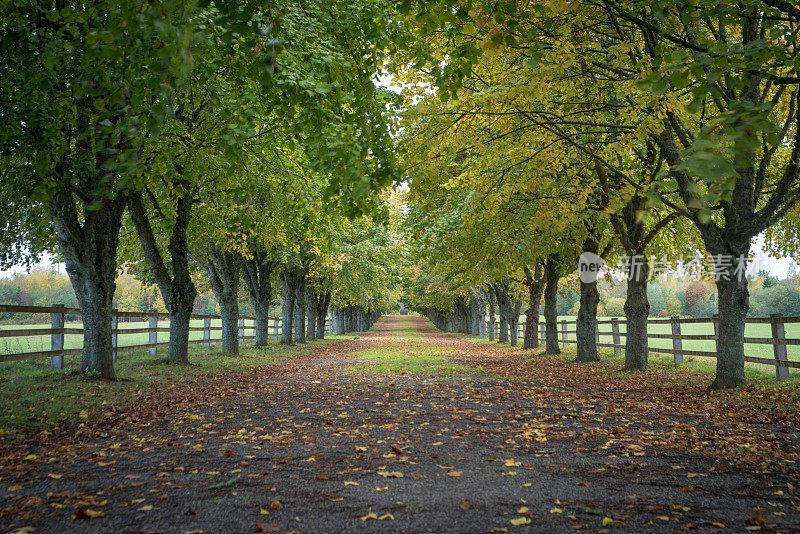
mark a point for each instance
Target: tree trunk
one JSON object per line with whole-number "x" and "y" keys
{"x": 311, "y": 312}
{"x": 502, "y": 334}
{"x": 323, "y": 301}
{"x": 177, "y": 287}
{"x": 587, "y": 323}
{"x": 586, "y": 326}
{"x": 287, "y": 309}
{"x": 257, "y": 272}
{"x": 222, "y": 267}
{"x": 550, "y": 307}
{"x": 503, "y": 298}
{"x": 90, "y": 254}
{"x": 492, "y": 300}
{"x": 733, "y": 304}
{"x": 300, "y": 309}
{"x": 637, "y": 310}
{"x": 229, "y": 309}
{"x": 95, "y": 292}
{"x": 535, "y": 283}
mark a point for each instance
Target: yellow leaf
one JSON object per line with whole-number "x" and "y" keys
{"x": 512, "y": 463}
{"x": 30, "y": 457}
{"x": 385, "y": 488}
{"x": 145, "y": 508}
{"x": 369, "y": 516}
{"x": 386, "y": 517}
{"x": 520, "y": 521}
{"x": 350, "y": 483}
{"x": 276, "y": 505}
{"x": 556, "y": 511}
{"x": 523, "y": 510}
{"x": 607, "y": 521}
{"x": 14, "y": 488}
{"x": 55, "y": 476}
{"x": 391, "y": 474}
{"x": 94, "y": 513}
{"x": 263, "y": 511}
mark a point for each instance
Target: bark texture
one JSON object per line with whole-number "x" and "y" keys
{"x": 550, "y": 307}
{"x": 176, "y": 287}
{"x": 534, "y": 281}
{"x": 257, "y": 271}
{"x": 89, "y": 250}
{"x": 222, "y": 267}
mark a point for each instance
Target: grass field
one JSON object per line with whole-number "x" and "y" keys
{"x": 751, "y": 330}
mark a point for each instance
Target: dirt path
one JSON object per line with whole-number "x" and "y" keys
{"x": 406, "y": 429}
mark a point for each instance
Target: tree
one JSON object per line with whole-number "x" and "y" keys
{"x": 81, "y": 93}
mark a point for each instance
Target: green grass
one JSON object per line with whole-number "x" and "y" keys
{"x": 34, "y": 395}
{"x": 751, "y": 330}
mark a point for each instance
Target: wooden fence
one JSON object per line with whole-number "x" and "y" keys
{"x": 777, "y": 340}
{"x": 57, "y": 331}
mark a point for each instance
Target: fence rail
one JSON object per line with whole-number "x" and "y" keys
{"x": 778, "y": 340}
{"x": 57, "y": 331}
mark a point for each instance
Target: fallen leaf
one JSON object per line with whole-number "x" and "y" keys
{"x": 55, "y": 476}
{"x": 14, "y": 488}
{"x": 88, "y": 513}
{"x": 466, "y": 505}
{"x": 386, "y": 517}
{"x": 523, "y": 510}
{"x": 350, "y": 483}
{"x": 145, "y": 508}
{"x": 267, "y": 527}
{"x": 322, "y": 476}
{"x": 607, "y": 521}
{"x": 391, "y": 474}
{"x": 520, "y": 521}
{"x": 556, "y": 511}
{"x": 455, "y": 473}
{"x": 276, "y": 505}
{"x": 369, "y": 516}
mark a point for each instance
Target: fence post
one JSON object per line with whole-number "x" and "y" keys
{"x": 677, "y": 341}
{"x": 564, "y": 331}
{"x": 615, "y": 335}
{"x": 596, "y": 333}
{"x": 207, "y": 333}
{"x": 152, "y": 324}
{"x": 241, "y": 330}
{"x": 114, "y": 335}
{"x": 57, "y": 340}
{"x": 779, "y": 346}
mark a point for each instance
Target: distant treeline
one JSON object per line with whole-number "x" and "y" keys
{"x": 47, "y": 287}
{"x": 693, "y": 298}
